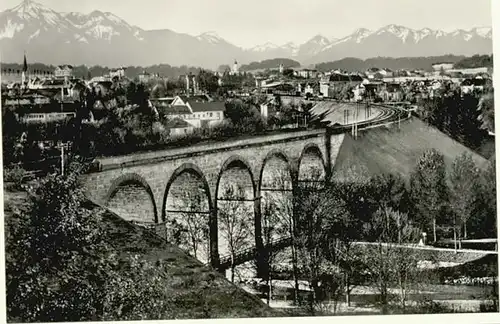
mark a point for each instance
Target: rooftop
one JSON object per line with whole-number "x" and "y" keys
{"x": 207, "y": 106}
{"x": 174, "y": 110}
{"x": 178, "y": 123}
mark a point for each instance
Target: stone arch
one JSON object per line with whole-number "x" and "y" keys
{"x": 187, "y": 203}
{"x": 236, "y": 172}
{"x": 276, "y": 186}
{"x": 311, "y": 159}
{"x": 235, "y": 161}
{"x": 186, "y": 168}
{"x": 277, "y": 155}
{"x": 127, "y": 196}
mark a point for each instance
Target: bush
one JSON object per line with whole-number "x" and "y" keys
{"x": 59, "y": 266}
{"x": 15, "y": 177}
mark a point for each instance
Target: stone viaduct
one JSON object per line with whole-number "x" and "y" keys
{"x": 148, "y": 187}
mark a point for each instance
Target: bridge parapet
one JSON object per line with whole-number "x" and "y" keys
{"x": 107, "y": 163}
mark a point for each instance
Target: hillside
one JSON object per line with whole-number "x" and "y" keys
{"x": 270, "y": 64}
{"x": 199, "y": 291}
{"x": 409, "y": 63}
{"x": 475, "y": 61}
{"x": 82, "y": 71}
{"x": 389, "y": 150}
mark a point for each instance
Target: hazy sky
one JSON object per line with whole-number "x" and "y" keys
{"x": 248, "y": 23}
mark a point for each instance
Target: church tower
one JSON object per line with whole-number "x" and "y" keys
{"x": 235, "y": 67}
{"x": 281, "y": 68}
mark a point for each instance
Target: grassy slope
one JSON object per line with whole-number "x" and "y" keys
{"x": 203, "y": 292}
{"x": 390, "y": 150}
{"x": 200, "y": 291}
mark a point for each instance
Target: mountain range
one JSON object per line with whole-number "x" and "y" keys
{"x": 102, "y": 38}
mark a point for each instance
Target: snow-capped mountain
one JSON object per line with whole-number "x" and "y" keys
{"x": 264, "y": 47}
{"x": 211, "y": 38}
{"x": 105, "y": 39}
{"x": 399, "y": 41}
{"x": 313, "y": 46}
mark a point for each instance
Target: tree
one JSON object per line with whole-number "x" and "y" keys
{"x": 271, "y": 231}
{"x": 286, "y": 222}
{"x": 484, "y": 222}
{"x": 389, "y": 263}
{"x": 311, "y": 236}
{"x": 486, "y": 107}
{"x": 11, "y": 139}
{"x": 428, "y": 188}
{"x": 158, "y": 91}
{"x": 194, "y": 223}
{"x": 208, "y": 81}
{"x": 463, "y": 179}
{"x": 288, "y": 73}
{"x": 51, "y": 254}
{"x": 389, "y": 190}
{"x": 235, "y": 223}
{"x": 60, "y": 266}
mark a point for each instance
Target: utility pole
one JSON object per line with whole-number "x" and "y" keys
{"x": 399, "y": 121}
{"x": 62, "y": 98}
{"x": 62, "y": 146}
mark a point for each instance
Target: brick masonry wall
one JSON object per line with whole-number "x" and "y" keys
{"x": 132, "y": 202}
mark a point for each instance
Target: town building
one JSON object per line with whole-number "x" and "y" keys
{"x": 235, "y": 70}
{"x": 442, "y": 66}
{"x": 63, "y": 72}
{"x": 118, "y": 73}
{"x": 307, "y": 73}
{"x": 144, "y": 77}
{"x": 333, "y": 83}
{"x": 391, "y": 92}
{"x": 475, "y": 84}
{"x": 192, "y": 86}
{"x": 358, "y": 92}
{"x": 199, "y": 111}
{"x": 470, "y": 72}
{"x": 178, "y": 127}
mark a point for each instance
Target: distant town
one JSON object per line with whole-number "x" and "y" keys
{"x": 193, "y": 100}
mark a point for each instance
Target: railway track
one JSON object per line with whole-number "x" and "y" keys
{"x": 389, "y": 115}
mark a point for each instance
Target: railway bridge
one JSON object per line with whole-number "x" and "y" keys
{"x": 153, "y": 187}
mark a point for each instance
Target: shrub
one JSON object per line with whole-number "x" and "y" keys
{"x": 15, "y": 176}
{"x": 59, "y": 266}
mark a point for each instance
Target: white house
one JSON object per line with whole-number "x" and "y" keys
{"x": 119, "y": 73}
{"x": 199, "y": 113}
{"x": 235, "y": 70}
{"x": 63, "y": 71}
{"x": 442, "y": 66}
{"x": 358, "y": 92}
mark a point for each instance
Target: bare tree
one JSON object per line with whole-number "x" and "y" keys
{"x": 196, "y": 222}
{"x": 282, "y": 206}
{"x": 463, "y": 179}
{"x": 235, "y": 223}
{"x": 390, "y": 262}
{"x": 271, "y": 232}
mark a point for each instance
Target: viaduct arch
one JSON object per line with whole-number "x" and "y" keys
{"x": 150, "y": 187}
